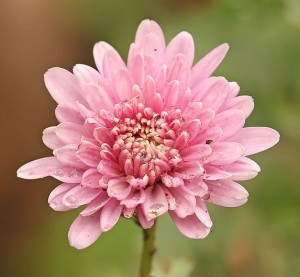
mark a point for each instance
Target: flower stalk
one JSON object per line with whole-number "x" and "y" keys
{"x": 148, "y": 251}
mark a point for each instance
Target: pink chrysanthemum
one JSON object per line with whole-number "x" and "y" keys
{"x": 156, "y": 135}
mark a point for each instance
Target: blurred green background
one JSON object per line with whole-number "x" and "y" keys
{"x": 259, "y": 239}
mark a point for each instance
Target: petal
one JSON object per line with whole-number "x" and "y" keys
{"x": 190, "y": 226}
{"x": 67, "y": 155}
{"x": 231, "y": 121}
{"x": 202, "y": 213}
{"x": 88, "y": 153}
{"x": 86, "y": 74}
{"x": 256, "y": 139}
{"x": 195, "y": 187}
{"x": 207, "y": 65}
{"x": 109, "y": 168}
{"x": 79, "y": 196}
{"x": 66, "y": 174}
{"x": 226, "y": 152}
{"x": 155, "y": 203}
{"x": 99, "y": 51}
{"x": 144, "y": 222}
{"x": 243, "y": 103}
{"x": 110, "y": 214}
{"x": 184, "y": 202}
{"x": 39, "y": 168}
{"x": 63, "y": 86}
{"x": 227, "y": 193}
{"x": 242, "y": 169}
{"x": 134, "y": 198}
{"x": 69, "y": 133}
{"x": 56, "y": 196}
{"x": 50, "y": 138}
{"x": 84, "y": 231}
{"x": 215, "y": 173}
{"x": 124, "y": 84}
{"x": 147, "y": 27}
{"x": 112, "y": 63}
{"x": 118, "y": 188}
{"x": 96, "y": 204}
{"x": 183, "y": 44}
{"x": 195, "y": 152}
{"x": 190, "y": 170}
{"x": 91, "y": 178}
{"x": 68, "y": 113}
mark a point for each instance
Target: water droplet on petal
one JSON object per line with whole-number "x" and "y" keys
{"x": 53, "y": 205}
{"x": 153, "y": 211}
{"x": 59, "y": 172}
{"x": 71, "y": 201}
{"x": 106, "y": 228}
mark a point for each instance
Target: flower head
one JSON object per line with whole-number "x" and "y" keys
{"x": 151, "y": 136}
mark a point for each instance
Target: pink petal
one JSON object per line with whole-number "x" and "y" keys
{"x": 56, "y": 196}
{"x": 118, "y": 188}
{"x": 207, "y": 65}
{"x": 104, "y": 135}
{"x": 91, "y": 178}
{"x": 67, "y": 155}
{"x": 183, "y": 43}
{"x": 195, "y": 187}
{"x": 63, "y": 86}
{"x": 227, "y": 193}
{"x": 66, "y": 174}
{"x": 155, "y": 203}
{"x": 124, "y": 84}
{"x": 242, "y": 169}
{"x": 202, "y": 213}
{"x": 147, "y": 27}
{"x": 86, "y": 74}
{"x": 79, "y": 196}
{"x": 226, "y": 152}
{"x": 170, "y": 181}
{"x": 195, "y": 152}
{"x": 134, "y": 198}
{"x": 145, "y": 223}
{"x": 256, "y": 139}
{"x": 190, "y": 170}
{"x": 112, "y": 63}
{"x": 69, "y": 133}
{"x": 110, "y": 214}
{"x": 243, "y": 103}
{"x": 84, "y": 231}
{"x": 190, "y": 226}
{"x": 88, "y": 153}
{"x": 215, "y": 173}
{"x": 184, "y": 203}
{"x": 68, "y": 113}
{"x": 96, "y": 204}
{"x": 231, "y": 121}
{"x": 50, "y": 138}
{"x": 109, "y": 168}
{"x": 99, "y": 51}
{"x": 39, "y": 168}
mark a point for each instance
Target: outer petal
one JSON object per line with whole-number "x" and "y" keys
{"x": 183, "y": 43}
{"x": 96, "y": 204}
{"x": 145, "y": 223}
{"x": 190, "y": 226}
{"x": 84, "y": 231}
{"x": 68, "y": 113}
{"x": 99, "y": 51}
{"x": 256, "y": 139}
{"x": 207, "y": 65}
{"x": 56, "y": 196}
{"x": 39, "y": 168}
{"x": 110, "y": 214}
{"x": 63, "y": 86}
{"x": 155, "y": 203}
{"x": 50, "y": 138}
{"x": 227, "y": 193}
{"x": 226, "y": 152}
{"x": 242, "y": 169}
{"x": 244, "y": 103}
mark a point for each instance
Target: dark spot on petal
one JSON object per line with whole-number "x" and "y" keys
{"x": 209, "y": 141}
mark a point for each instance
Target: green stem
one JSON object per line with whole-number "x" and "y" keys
{"x": 148, "y": 251}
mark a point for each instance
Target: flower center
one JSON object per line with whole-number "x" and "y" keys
{"x": 144, "y": 144}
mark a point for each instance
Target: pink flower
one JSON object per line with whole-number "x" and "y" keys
{"x": 156, "y": 135}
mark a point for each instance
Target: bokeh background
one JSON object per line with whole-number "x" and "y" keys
{"x": 259, "y": 239}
